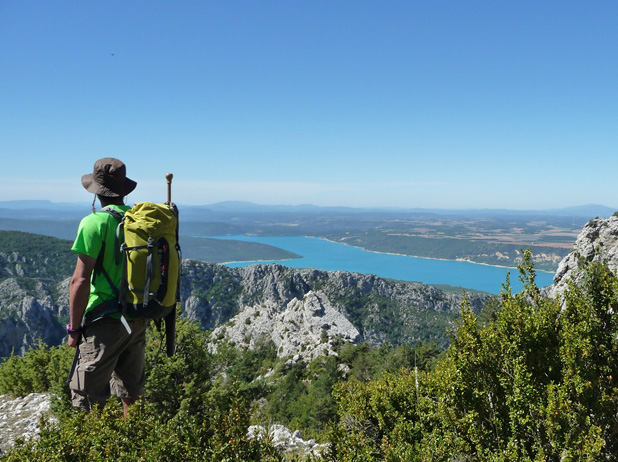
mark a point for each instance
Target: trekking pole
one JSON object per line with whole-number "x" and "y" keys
{"x": 170, "y": 319}
{"x": 168, "y": 177}
{"x": 75, "y": 360}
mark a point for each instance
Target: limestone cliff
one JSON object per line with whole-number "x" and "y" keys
{"x": 299, "y": 310}
{"x": 597, "y": 242}
{"x": 28, "y": 313}
{"x": 306, "y": 312}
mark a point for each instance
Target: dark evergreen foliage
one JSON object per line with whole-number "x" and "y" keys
{"x": 35, "y": 256}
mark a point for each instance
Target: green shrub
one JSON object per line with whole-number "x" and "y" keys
{"x": 104, "y": 435}
{"x": 528, "y": 379}
{"x": 42, "y": 369}
{"x": 180, "y": 381}
{"x": 182, "y": 417}
{"x": 535, "y": 381}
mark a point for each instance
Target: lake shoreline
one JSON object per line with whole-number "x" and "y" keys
{"x": 368, "y": 250}
{"x": 329, "y": 255}
{"x": 427, "y": 258}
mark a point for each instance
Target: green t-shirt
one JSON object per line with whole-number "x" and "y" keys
{"x": 93, "y": 230}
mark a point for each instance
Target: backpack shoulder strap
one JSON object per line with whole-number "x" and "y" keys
{"x": 113, "y": 212}
{"x": 99, "y": 268}
{"x": 118, "y": 215}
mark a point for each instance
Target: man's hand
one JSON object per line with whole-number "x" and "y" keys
{"x": 74, "y": 339}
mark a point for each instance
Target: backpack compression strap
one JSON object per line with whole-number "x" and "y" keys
{"x": 149, "y": 271}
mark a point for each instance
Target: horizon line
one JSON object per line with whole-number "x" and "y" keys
{"x": 311, "y": 205}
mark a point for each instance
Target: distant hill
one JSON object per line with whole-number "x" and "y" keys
{"x": 490, "y": 236}
{"x": 223, "y": 251}
{"x": 38, "y": 209}
{"x": 43, "y": 210}
{"x": 35, "y": 256}
{"x": 591, "y": 211}
{"x": 64, "y": 229}
{"x": 202, "y": 212}
{"x": 29, "y": 252}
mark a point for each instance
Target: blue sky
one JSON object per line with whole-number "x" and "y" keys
{"x": 435, "y": 104}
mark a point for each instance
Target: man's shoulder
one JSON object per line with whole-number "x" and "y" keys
{"x": 117, "y": 211}
{"x": 102, "y": 216}
{"x": 95, "y": 224}
{"x": 118, "y": 208}
{"x": 93, "y": 219}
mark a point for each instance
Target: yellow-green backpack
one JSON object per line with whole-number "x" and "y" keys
{"x": 150, "y": 285}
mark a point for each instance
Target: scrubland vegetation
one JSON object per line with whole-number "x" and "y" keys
{"x": 527, "y": 379}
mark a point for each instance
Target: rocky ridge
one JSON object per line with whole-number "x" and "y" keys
{"x": 306, "y": 312}
{"x": 305, "y": 328}
{"x": 297, "y": 309}
{"x": 29, "y": 313}
{"x": 597, "y": 242}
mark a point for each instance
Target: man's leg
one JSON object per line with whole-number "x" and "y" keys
{"x": 103, "y": 343}
{"x": 126, "y": 404}
{"x": 127, "y": 381}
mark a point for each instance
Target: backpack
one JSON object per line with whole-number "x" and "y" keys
{"x": 150, "y": 284}
{"x": 151, "y": 256}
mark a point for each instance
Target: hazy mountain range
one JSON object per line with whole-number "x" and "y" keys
{"x": 490, "y": 236}
{"x": 42, "y": 209}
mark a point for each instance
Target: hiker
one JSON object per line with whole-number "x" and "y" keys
{"x": 110, "y": 350}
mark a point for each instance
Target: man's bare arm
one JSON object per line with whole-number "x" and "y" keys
{"x": 79, "y": 292}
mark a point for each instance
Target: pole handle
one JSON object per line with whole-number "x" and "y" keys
{"x": 168, "y": 177}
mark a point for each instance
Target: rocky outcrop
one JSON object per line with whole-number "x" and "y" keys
{"x": 597, "y": 242}
{"x": 286, "y": 440}
{"x": 28, "y": 313}
{"x": 306, "y": 312}
{"x": 304, "y": 328}
{"x": 51, "y": 261}
{"x": 19, "y": 417}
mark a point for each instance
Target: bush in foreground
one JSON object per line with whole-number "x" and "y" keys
{"x": 532, "y": 379}
{"x": 537, "y": 381}
{"x": 183, "y": 417}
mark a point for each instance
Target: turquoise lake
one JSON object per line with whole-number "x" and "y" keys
{"x": 325, "y": 255}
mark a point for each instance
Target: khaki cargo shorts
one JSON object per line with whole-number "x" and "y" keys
{"x": 111, "y": 362}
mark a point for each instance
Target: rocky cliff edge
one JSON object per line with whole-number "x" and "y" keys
{"x": 597, "y": 242}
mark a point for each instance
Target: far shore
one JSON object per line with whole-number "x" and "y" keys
{"x": 427, "y": 258}
{"x": 377, "y": 252}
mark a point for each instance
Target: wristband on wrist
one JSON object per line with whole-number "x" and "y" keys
{"x": 73, "y": 331}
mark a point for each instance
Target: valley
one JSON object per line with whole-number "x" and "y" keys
{"x": 309, "y": 349}
{"x": 494, "y": 237}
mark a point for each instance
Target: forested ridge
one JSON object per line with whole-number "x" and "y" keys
{"x": 34, "y": 256}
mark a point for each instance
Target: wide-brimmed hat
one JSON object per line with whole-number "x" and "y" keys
{"x": 109, "y": 178}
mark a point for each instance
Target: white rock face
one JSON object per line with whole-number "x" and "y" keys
{"x": 597, "y": 242}
{"x": 26, "y": 317}
{"x": 19, "y": 417}
{"x": 305, "y": 311}
{"x": 305, "y": 329}
{"x": 286, "y": 440}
